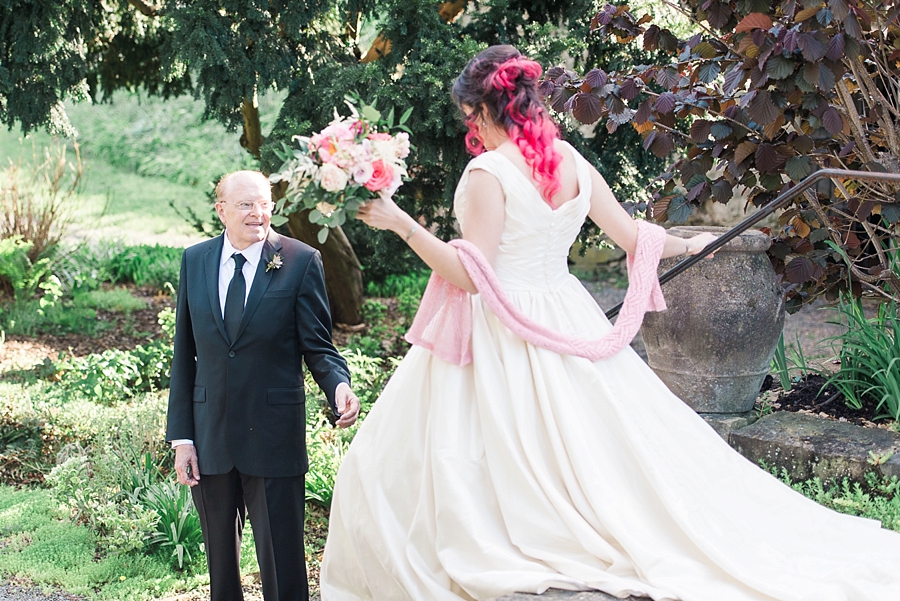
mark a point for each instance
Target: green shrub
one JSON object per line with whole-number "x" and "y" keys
{"x": 178, "y": 527}
{"x": 878, "y": 498}
{"x": 144, "y": 265}
{"x": 412, "y": 283}
{"x": 120, "y": 524}
{"x": 115, "y": 300}
{"x": 869, "y": 353}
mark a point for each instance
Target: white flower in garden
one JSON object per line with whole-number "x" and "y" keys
{"x": 362, "y": 172}
{"x": 401, "y": 141}
{"x": 333, "y": 178}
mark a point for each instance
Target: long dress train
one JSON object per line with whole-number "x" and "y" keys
{"x": 527, "y": 469}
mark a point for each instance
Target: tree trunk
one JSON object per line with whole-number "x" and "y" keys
{"x": 343, "y": 273}
{"x": 252, "y": 137}
{"x": 382, "y": 46}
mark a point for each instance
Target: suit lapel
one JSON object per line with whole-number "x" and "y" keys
{"x": 211, "y": 265}
{"x": 260, "y": 280}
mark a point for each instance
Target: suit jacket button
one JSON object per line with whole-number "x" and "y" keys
{"x": 231, "y": 353}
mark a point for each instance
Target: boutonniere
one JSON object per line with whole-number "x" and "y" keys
{"x": 275, "y": 263}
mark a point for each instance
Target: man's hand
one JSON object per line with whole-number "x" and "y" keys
{"x": 347, "y": 406}
{"x": 186, "y": 465}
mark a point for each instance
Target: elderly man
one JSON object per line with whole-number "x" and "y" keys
{"x": 251, "y": 308}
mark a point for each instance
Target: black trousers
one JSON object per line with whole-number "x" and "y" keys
{"x": 276, "y": 507}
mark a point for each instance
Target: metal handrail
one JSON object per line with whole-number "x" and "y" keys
{"x": 764, "y": 212}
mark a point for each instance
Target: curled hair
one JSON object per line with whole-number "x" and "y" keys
{"x": 505, "y": 83}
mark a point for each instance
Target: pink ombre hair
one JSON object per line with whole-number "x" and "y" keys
{"x": 505, "y": 82}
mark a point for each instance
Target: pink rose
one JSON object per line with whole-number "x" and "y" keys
{"x": 380, "y": 136}
{"x": 382, "y": 176}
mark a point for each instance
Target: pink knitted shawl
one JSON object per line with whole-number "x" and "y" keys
{"x": 443, "y": 323}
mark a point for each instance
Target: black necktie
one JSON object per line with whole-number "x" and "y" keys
{"x": 234, "y": 300}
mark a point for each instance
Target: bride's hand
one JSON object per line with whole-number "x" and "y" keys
{"x": 697, "y": 243}
{"x": 381, "y": 213}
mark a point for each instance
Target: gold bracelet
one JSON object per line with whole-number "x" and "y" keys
{"x": 411, "y": 232}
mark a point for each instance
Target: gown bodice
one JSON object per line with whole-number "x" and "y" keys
{"x": 536, "y": 238}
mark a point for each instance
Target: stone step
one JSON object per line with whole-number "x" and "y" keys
{"x": 808, "y": 447}
{"x": 557, "y": 595}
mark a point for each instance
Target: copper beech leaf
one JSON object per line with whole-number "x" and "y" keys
{"x": 811, "y": 47}
{"x": 644, "y": 111}
{"x": 761, "y": 108}
{"x": 700, "y": 130}
{"x": 766, "y": 157}
{"x": 833, "y": 121}
{"x": 587, "y": 108}
{"x": 629, "y": 89}
{"x": 665, "y": 102}
{"x": 651, "y": 38}
{"x": 799, "y": 270}
{"x": 662, "y": 145}
{"x": 596, "y": 78}
{"x": 840, "y": 9}
{"x": 743, "y": 150}
{"x": 679, "y": 209}
{"x": 753, "y": 21}
{"x": 668, "y": 77}
{"x": 835, "y": 48}
{"x": 806, "y": 13}
{"x": 734, "y": 78}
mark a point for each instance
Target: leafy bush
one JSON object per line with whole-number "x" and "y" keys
{"x": 878, "y": 498}
{"x": 870, "y": 357}
{"x": 118, "y": 300}
{"x": 145, "y": 265}
{"x": 765, "y": 94}
{"x": 120, "y": 524}
{"x": 413, "y": 282}
{"x": 19, "y": 275}
{"x": 178, "y": 527}
{"x": 115, "y": 374}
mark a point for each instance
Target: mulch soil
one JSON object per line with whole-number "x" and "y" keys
{"x": 810, "y": 395}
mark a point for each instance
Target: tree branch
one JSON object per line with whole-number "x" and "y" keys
{"x": 144, "y": 8}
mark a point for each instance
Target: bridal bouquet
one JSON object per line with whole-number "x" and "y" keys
{"x": 350, "y": 162}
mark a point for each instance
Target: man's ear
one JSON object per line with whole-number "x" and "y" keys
{"x": 220, "y": 212}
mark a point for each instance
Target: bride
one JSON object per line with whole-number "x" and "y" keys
{"x": 526, "y": 468}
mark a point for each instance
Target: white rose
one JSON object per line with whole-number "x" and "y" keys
{"x": 326, "y": 208}
{"x": 332, "y": 178}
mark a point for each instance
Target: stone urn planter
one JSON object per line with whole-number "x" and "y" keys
{"x": 714, "y": 345}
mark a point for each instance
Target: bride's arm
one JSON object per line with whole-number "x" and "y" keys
{"x": 616, "y": 223}
{"x": 484, "y": 215}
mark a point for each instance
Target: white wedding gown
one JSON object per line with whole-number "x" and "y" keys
{"x": 528, "y": 469}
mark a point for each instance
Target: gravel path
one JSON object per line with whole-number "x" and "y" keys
{"x": 14, "y": 592}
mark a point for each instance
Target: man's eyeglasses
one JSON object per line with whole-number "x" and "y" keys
{"x": 264, "y": 205}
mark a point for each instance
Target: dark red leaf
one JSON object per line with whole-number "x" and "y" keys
{"x": 833, "y": 121}
{"x": 835, "y": 48}
{"x": 722, "y": 191}
{"x": 840, "y": 9}
{"x": 667, "y": 41}
{"x": 665, "y": 103}
{"x": 734, "y": 77}
{"x": 699, "y": 192}
{"x": 708, "y": 71}
{"x": 700, "y": 130}
{"x": 644, "y": 111}
{"x": 864, "y": 210}
{"x": 587, "y": 108}
{"x": 766, "y": 158}
{"x": 651, "y": 38}
{"x": 751, "y": 22}
{"x": 851, "y": 26}
{"x": 648, "y": 141}
{"x": 596, "y": 78}
{"x": 811, "y": 47}
{"x": 799, "y": 270}
{"x": 615, "y": 104}
{"x": 559, "y": 99}
{"x": 668, "y": 77}
{"x": 761, "y": 109}
{"x": 803, "y": 144}
{"x": 555, "y": 73}
{"x": 662, "y": 145}
{"x": 846, "y": 149}
{"x": 811, "y": 73}
{"x": 826, "y": 78}
{"x": 718, "y": 14}
{"x": 546, "y": 88}
{"x": 629, "y": 89}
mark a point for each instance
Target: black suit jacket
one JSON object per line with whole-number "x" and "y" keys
{"x": 242, "y": 402}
